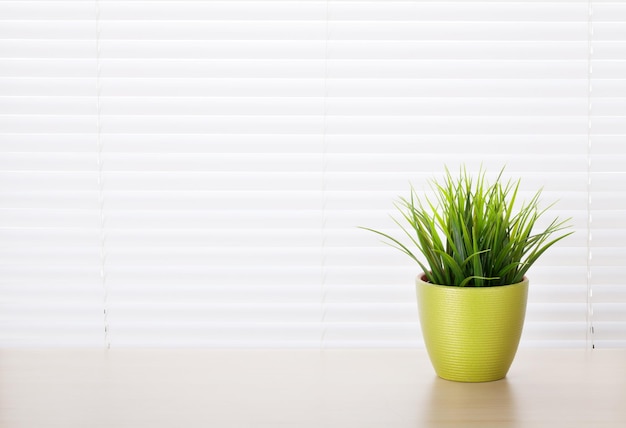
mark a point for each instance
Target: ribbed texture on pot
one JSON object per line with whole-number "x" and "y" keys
{"x": 472, "y": 333}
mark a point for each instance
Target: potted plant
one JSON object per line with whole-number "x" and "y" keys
{"x": 477, "y": 245}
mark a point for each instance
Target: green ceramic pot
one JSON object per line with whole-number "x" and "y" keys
{"x": 471, "y": 333}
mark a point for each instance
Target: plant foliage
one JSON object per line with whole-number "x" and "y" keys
{"x": 471, "y": 234}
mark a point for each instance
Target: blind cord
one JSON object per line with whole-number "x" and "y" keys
{"x": 324, "y": 166}
{"x": 590, "y": 328}
{"x": 99, "y": 162}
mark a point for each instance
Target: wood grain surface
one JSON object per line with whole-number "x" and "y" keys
{"x": 132, "y": 388}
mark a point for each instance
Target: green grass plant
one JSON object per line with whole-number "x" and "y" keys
{"x": 471, "y": 233}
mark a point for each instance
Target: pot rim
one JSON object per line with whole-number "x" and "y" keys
{"x": 421, "y": 278}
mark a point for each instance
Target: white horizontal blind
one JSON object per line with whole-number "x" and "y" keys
{"x": 49, "y": 216}
{"x": 608, "y": 173}
{"x": 197, "y": 169}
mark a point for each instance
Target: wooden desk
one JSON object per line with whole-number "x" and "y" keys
{"x": 304, "y": 389}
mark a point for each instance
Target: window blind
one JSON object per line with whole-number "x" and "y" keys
{"x": 607, "y": 131}
{"x": 193, "y": 173}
